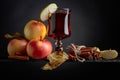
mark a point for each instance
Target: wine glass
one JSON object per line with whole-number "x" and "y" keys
{"x": 59, "y": 27}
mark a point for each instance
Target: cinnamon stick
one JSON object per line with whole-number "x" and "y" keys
{"x": 16, "y": 57}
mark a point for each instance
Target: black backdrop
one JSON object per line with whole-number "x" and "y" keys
{"x": 93, "y": 22}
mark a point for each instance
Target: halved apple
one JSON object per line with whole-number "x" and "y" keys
{"x": 47, "y": 11}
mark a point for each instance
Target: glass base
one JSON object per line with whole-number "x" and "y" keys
{"x": 58, "y": 56}
{"x": 58, "y": 45}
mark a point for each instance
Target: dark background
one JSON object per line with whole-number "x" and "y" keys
{"x": 93, "y": 23}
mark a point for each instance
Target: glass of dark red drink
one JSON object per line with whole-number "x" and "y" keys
{"x": 59, "y": 27}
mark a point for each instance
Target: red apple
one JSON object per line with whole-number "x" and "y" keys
{"x": 17, "y": 46}
{"x": 39, "y": 49}
{"x": 35, "y": 30}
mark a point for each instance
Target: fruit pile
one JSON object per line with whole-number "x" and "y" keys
{"x": 33, "y": 44}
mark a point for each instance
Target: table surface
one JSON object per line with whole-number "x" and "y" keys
{"x": 69, "y": 69}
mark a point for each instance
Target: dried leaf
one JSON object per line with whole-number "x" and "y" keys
{"x": 55, "y": 60}
{"x": 15, "y": 35}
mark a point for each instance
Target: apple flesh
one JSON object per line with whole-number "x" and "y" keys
{"x": 17, "y": 47}
{"x": 35, "y": 30}
{"x": 47, "y": 11}
{"x": 39, "y": 49}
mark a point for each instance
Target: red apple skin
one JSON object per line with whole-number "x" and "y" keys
{"x": 17, "y": 46}
{"x": 35, "y": 30}
{"x": 39, "y": 49}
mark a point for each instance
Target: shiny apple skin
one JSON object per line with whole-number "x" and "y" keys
{"x": 39, "y": 49}
{"x": 35, "y": 30}
{"x": 17, "y": 46}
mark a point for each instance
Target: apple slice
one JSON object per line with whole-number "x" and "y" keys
{"x": 109, "y": 54}
{"x": 47, "y": 11}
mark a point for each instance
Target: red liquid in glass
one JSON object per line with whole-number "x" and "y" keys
{"x": 62, "y": 26}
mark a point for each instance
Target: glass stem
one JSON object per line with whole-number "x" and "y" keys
{"x": 58, "y": 45}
